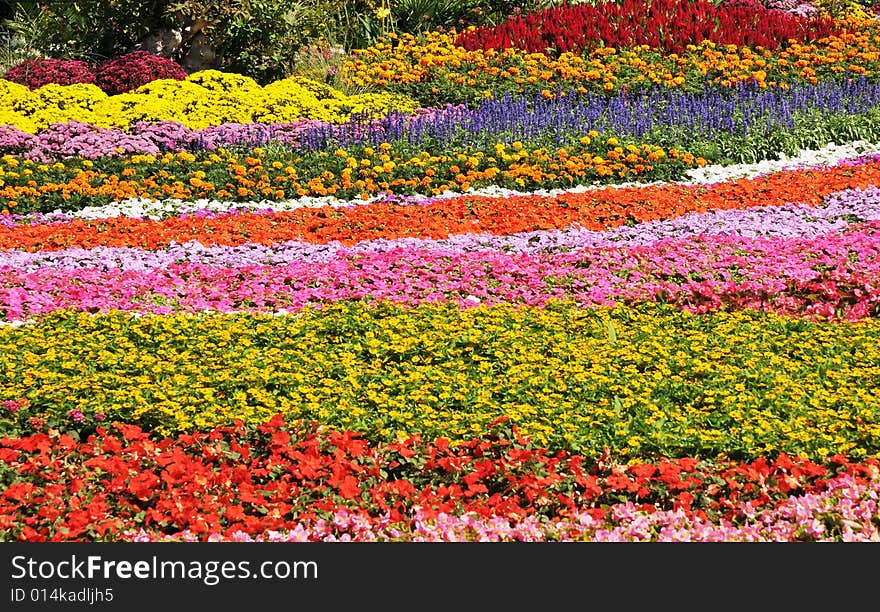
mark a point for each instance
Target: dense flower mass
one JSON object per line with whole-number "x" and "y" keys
{"x": 576, "y": 379}
{"x": 433, "y": 68}
{"x": 619, "y": 286}
{"x": 669, "y": 25}
{"x": 130, "y": 71}
{"x": 34, "y": 73}
{"x": 203, "y": 99}
{"x": 113, "y": 75}
{"x": 592, "y": 209}
{"x": 309, "y": 484}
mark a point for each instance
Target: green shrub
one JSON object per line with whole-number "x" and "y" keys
{"x": 87, "y": 30}
{"x": 257, "y": 38}
{"x": 262, "y": 39}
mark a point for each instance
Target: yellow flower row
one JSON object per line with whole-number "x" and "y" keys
{"x": 640, "y": 380}
{"x": 203, "y": 99}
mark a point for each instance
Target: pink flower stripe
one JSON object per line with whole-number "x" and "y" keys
{"x": 827, "y": 276}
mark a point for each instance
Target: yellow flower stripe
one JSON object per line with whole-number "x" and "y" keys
{"x": 642, "y": 381}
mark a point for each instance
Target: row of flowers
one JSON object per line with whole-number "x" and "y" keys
{"x": 724, "y": 125}
{"x": 646, "y": 380}
{"x": 837, "y": 213}
{"x": 278, "y": 174}
{"x": 670, "y": 25}
{"x": 782, "y": 276}
{"x": 205, "y": 98}
{"x": 301, "y": 483}
{"x": 437, "y": 218}
{"x": 829, "y": 155}
{"x": 434, "y": 69}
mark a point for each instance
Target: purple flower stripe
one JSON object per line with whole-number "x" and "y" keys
{"x": 550, "y": 122}
{"x": 78, "y": 139}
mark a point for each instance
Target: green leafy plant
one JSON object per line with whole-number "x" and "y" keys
{"x": 322, "y": 61}
{"x": 21, "y": 36}
{"x": 86, "y": 30}
{"x": 415, "y": 16}
{"x": 257, "y": 38}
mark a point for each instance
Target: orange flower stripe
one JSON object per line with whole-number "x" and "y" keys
{"x": 595, "y": 210}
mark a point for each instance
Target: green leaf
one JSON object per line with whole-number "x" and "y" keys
{"x": 610, "y": 331}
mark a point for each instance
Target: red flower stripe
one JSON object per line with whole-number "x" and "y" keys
{"x": 229, "y": 479}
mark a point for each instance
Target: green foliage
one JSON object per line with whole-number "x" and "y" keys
{"x": 86, "y": 30}
{"x": 415, "y": 16}
{"x": 322, "y": 62}
{"x": 20, "y": 41}
{"x": 257, "y": 38}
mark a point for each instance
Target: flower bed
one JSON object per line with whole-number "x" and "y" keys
{"x": 115, "y": 75}
{"x": 548, "y": 314}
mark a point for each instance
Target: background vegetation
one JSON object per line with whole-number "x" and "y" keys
{"x": 264, "y": 39}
